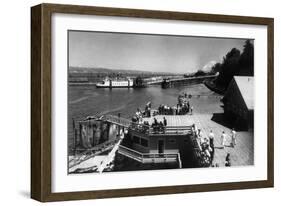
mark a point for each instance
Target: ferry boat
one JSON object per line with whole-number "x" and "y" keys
{"x": 118, "y": 83}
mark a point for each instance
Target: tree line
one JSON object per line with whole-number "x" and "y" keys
{"x": 234, "y": 63}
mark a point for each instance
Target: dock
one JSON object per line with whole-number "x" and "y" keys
{"x": 168, "y": 83}
{"x": 241, "y": 155}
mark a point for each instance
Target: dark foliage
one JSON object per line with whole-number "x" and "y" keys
{"x": 235, "y": 64}
{"x": 200, "y": 73}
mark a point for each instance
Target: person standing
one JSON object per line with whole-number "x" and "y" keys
{"x": 227, "y": 160}
{"x": 199, "y": 133}
{"x": 161, "y": 126}
{"x": 212, "y": 154}
{"x": 211, "y": 139}
{"x": 191, "y": 110}
{"x": 223, "y": 139}
{"x": 233, "y": 137}
{"x": 211, "y": 145}
{"x": 165, "y": 121}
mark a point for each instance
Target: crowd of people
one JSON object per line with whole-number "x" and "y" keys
{"x": 183, "y": 107}
{"x": 159, "y": 127}
{"x": 208, "y": 147}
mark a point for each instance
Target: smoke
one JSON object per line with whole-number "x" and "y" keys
{"x": 207, "y": 67}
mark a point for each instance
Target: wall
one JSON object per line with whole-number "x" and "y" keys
{"x": 15, "y": 102}
{"x": 169, "y": 147}
{"x": 234, "y": 101}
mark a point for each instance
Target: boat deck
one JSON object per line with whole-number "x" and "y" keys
{"x": 242, "y": 154}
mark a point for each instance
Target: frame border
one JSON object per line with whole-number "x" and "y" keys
{"x": 41, "y": 101}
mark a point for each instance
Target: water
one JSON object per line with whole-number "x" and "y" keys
{"x": 88, "y": 100}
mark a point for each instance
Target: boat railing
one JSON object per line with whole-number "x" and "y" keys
{"x": 116, "y": 120}
{"x": 148, "y": 157}
{"x": 170, "y": 130}
{"x": 158, "y": 129}
{"x": 143, "y": 128}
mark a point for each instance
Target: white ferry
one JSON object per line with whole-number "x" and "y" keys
{"x": 108, "y": 83}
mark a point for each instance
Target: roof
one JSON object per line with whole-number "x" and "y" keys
{"x": 246, "y": 87}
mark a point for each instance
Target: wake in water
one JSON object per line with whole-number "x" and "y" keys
{"x": 78, "y": 100}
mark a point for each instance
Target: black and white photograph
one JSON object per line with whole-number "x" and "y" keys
{"x": 153, "y": 101}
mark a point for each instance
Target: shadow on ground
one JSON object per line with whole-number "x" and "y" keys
{"x": 229, "y": 123}
{"x": 24, "y": 193}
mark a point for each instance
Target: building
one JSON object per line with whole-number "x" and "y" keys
{"x": 239, "y": 102}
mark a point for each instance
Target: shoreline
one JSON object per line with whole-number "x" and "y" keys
{"x": 213, "y": 88}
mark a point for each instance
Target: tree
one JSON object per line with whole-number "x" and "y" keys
{"x": 229, "y": 67}
{"x": 247, "y": 59}
{"x": 235, "y": 63}
{"x": 216, "y": 68}
{"x": 200, "y": 73}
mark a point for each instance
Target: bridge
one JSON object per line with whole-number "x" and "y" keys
{"x": 167, "y": 83}
{"x": 117, "y": 120}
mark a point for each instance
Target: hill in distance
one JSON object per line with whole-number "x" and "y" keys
{"x": 106, "y": 70}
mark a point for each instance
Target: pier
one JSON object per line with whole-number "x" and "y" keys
{"x": 167, "y": 83}
{"x": 241, "y": 155}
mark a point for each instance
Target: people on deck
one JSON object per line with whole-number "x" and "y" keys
{"x": 165, "y": 121}
{"x": 182, "y": 107}
{"x": 233, "y": 137}
{"x": 227, "y": 160}
{"x": 199, "y": 133}
{"x": 161, "y": 126}
{"x": 211, "y": 145}
{"x": 211, "y": 137}
{"x": 194, "y": 130}
{"x": 148, "y": 109}
{"x": 155, "y": 121}
{"x": 212, "y": 153}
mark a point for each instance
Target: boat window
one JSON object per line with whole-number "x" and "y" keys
{"x": 172, "y": 141}
{"x": 136, "y": 139}
{"x": 144, "y": 142}
{"x": 186, "y": 141}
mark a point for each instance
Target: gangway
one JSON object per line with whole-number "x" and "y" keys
{"x": 120, "y": 121}
{"x": 89, "y": 153}
{"x": 150, "y": 157}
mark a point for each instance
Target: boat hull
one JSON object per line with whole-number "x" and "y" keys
{"x": 115, "y": 84}
{"x": 107, "y": 86}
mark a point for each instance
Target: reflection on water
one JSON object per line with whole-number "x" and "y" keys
{"x": 88, "y": 100}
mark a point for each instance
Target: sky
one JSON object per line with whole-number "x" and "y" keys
{"x": 157, "y": 53}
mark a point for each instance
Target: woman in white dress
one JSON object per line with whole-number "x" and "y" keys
{"x": 233, "y": 137}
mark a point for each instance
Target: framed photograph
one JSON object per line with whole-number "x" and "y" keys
{"x": 130, "y": 102}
